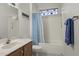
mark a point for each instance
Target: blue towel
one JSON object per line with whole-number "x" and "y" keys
{"x": 69, "y": 33}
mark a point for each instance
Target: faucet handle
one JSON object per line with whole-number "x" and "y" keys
{"x": 8, "y": 41}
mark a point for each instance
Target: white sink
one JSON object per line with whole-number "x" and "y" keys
{"x": 8, "y": 46}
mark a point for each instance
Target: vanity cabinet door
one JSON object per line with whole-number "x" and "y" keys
{"x": 18, "y": 52}
{"x": 28, "y": 49}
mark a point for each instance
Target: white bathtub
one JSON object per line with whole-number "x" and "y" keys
{"x": 49, "y": 49}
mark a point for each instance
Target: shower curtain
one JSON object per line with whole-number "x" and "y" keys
{"x": 37, "y": 29}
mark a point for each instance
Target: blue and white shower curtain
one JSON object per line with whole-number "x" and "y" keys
{"x": 37, "y": 32}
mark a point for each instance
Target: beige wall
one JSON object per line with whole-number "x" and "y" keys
{"x": 34, "y": 8}
{"x": 69, "y": 10}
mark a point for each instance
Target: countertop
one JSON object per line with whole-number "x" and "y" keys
{"x": 22, "y": 42}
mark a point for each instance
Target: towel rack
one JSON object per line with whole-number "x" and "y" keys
{"x": 75, "y": 18}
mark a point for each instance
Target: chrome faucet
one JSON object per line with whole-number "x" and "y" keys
{"x": 8, "y": 41}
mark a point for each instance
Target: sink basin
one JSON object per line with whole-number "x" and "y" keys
{"x": 8, "y": 46}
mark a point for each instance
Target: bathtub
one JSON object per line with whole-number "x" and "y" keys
{"x": 48, "y": 49}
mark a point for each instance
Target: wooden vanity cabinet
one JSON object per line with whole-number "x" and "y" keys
{"x": 26, "y": 50}
{"x": 18, "y": 52}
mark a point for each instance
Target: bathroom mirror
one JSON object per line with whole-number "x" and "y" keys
{"x": 25, "y": 20}
{"x": 13, "y": 23}
{"x": 8, "y": 21}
